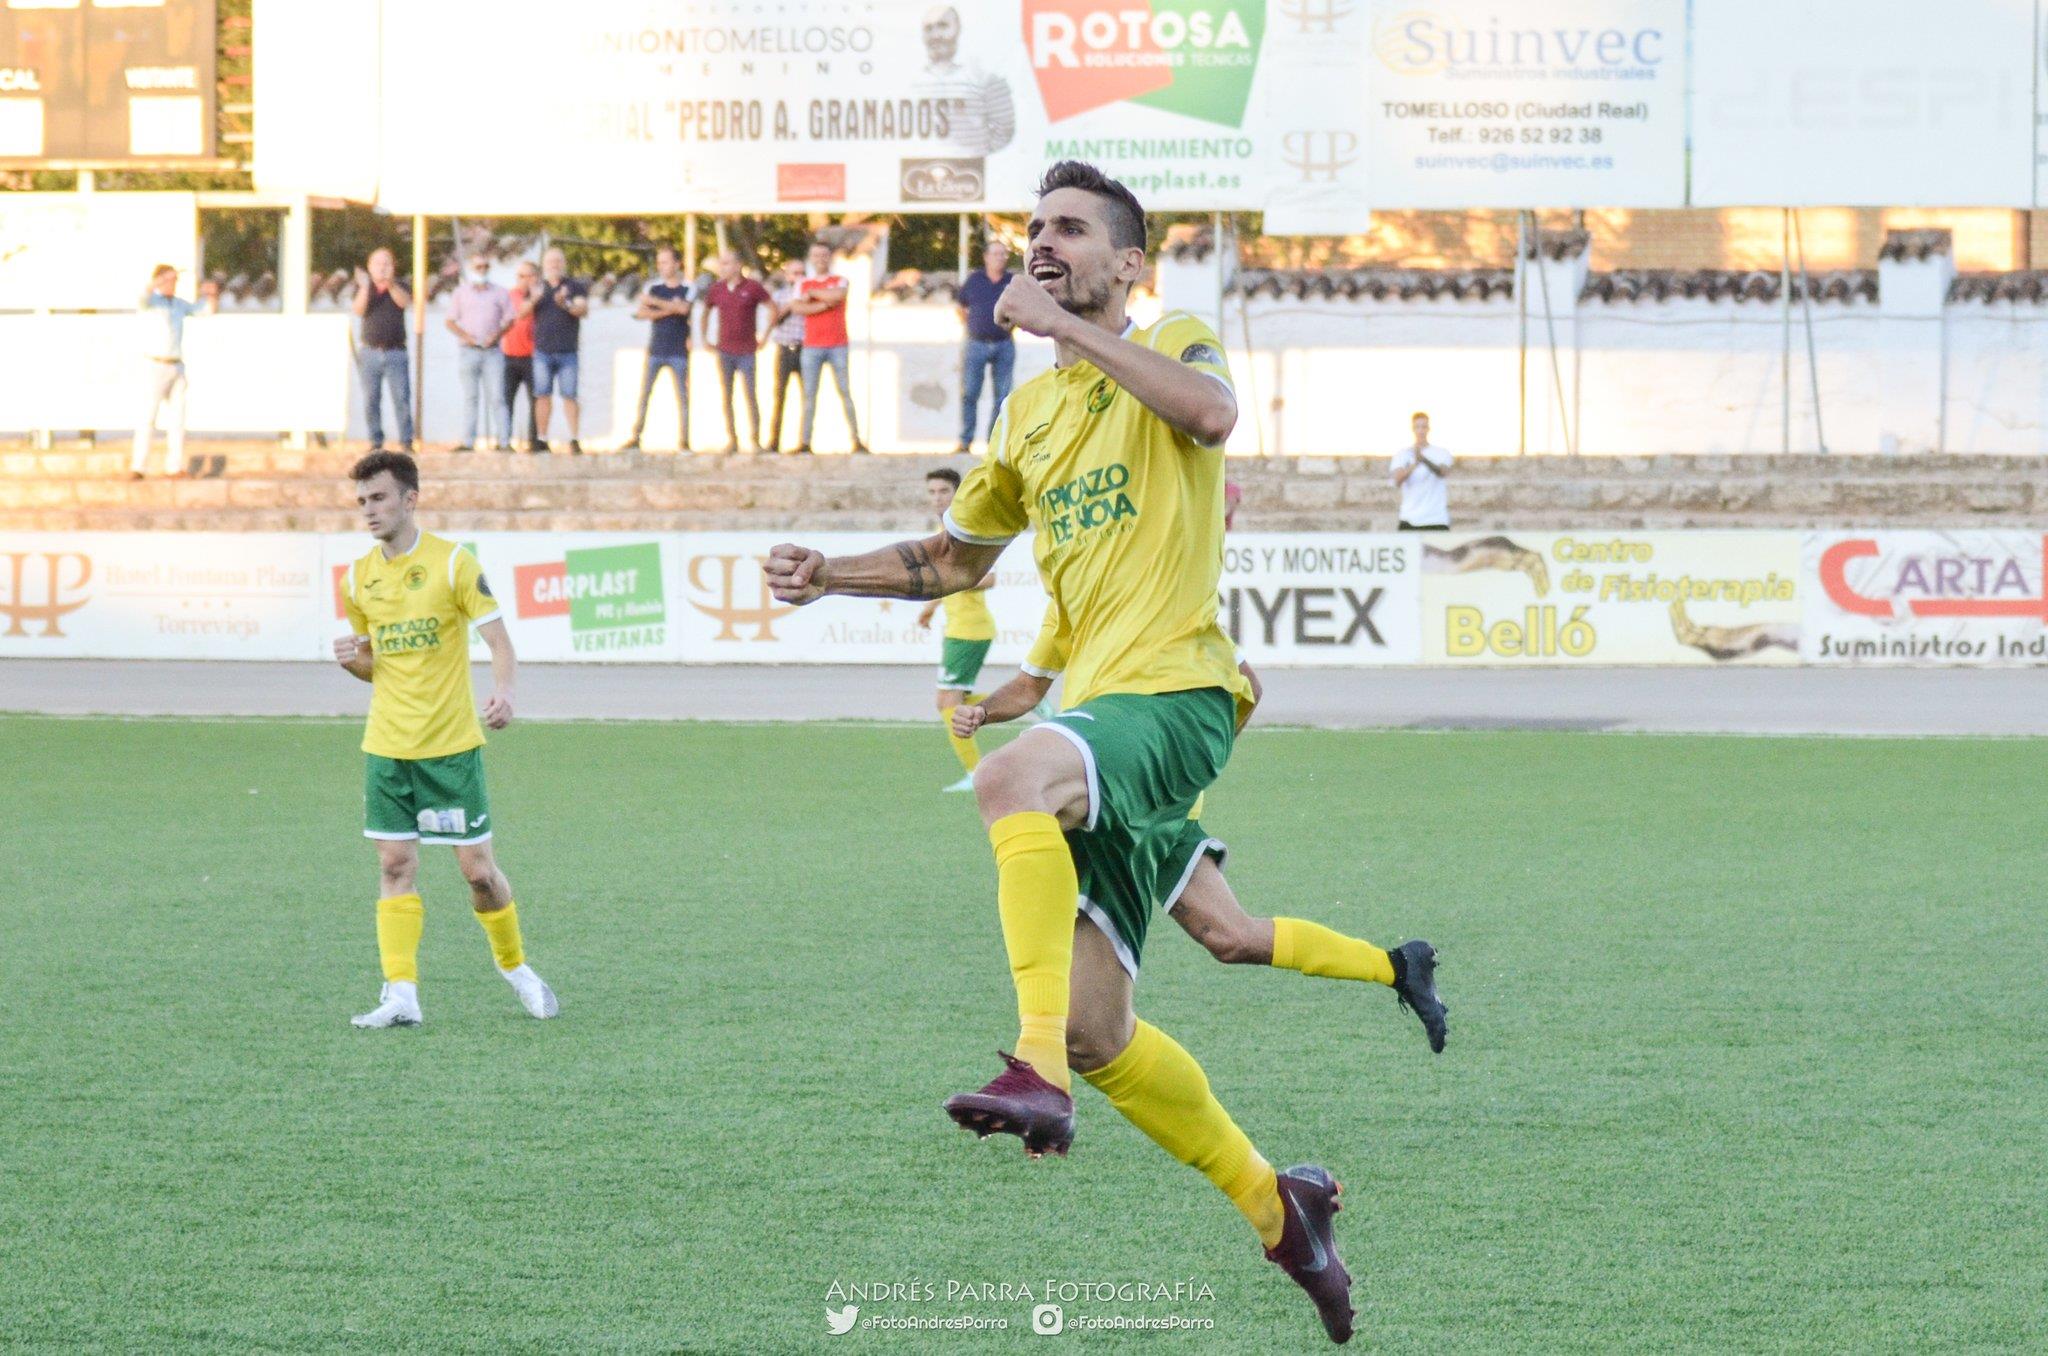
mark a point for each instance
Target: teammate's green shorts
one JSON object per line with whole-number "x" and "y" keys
{"x": 436, "y": 800}
{"x": 1148, "y": 759}
{"x": 960, "y": 663}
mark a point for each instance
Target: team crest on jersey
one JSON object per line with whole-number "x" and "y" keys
{"x": 1100, "y": 396}
{"x": 416, "y": 578}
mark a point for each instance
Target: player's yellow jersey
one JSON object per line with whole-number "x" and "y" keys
{"x": 1129, "y": 520}
{"x": 1050, "y": 649}
{"x": 968, "y": 617}
{"x": 417, "y": 611}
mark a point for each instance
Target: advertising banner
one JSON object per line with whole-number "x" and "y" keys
{"x": 1323, "y": 599}
{"x": 876, "y": 105}
{"x": 161, "y": 595}
{"x": 1926, "y": 598}
{"x": 1631, "y": 598}
{"x": 1874, "y": 105}
{"x": 73, "y": 251}
{"x": 1570, "y": 103}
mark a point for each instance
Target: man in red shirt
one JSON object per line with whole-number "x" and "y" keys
{"x": 821, "y": 300}
{"x": 737, "y": 301}
{"x": 517, "y": 346}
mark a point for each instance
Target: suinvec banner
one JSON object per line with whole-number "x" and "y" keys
{"x": 1478, "y": 104}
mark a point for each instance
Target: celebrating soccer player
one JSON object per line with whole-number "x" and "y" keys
{"x": 970, "y": 630}
{"x": 411, "y": 602}
{"x": 1115, "y": 458}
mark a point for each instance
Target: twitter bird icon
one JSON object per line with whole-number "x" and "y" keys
{"x": 839, "y": 1322}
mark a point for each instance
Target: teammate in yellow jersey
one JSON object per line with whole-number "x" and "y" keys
{"x": 1197, "y": 895}
{"x": 411, "y": 602}
{"x": 970, "y": 630}
{"x": 1115, "y": 458}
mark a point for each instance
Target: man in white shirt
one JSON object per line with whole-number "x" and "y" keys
{"x": 163, "y": 348}
{"x": 1419, "y": 471}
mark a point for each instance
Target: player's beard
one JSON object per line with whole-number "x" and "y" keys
{"x": 1089, "y": 301}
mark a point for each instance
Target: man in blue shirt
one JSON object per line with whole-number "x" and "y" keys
{"x": 163, "y": 343}
{"x": 989, "y": 345}
{"x": 666, "y": 301}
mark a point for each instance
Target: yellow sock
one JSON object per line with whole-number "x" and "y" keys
{"x": 400, "y": 920}
{"x": 1036, "y": 894}
{"x": 1160, "y": 1089}
{"x": 966, "y": 750}
{"x": 1315, "y": 950}
{"x": 502, "y": 927}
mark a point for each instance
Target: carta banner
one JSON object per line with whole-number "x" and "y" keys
{"x": 1926, "y": 598}
{"x": 1621, "y": 598}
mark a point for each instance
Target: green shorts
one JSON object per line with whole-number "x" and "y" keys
{"x": 960, "y": 663}
{"x": 436, "y": 800}
{"x": 1148, "y": 760}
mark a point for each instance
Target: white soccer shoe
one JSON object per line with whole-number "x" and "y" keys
{"x": 398, "y": 1004}
{"x": 534, "y": 994}
{"x": 964, "y": 784}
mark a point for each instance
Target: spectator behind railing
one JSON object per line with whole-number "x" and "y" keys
{"x": 164, "y": 354}
{"x": 381, "y": 303}
{"x": 479, "y": 313}
{"x": 558, "y": 306}
{"x": 788, "y": 337}
{"x": 666, "y": 302}
{"x": 517, "y": 346}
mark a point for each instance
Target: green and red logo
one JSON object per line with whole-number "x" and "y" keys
{"x": 612, "y": 596}
{"x": 1192, "y": 57}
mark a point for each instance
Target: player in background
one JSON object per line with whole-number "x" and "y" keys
{"x": 963, "y": 646}
{"x": 1115, "y": 458}
{"x": 1201, "y": 900}
{"x": 411, "y": 602}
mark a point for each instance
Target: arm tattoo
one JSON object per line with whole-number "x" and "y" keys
{"x": 917, "y": 563}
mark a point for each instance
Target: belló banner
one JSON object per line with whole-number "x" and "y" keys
{"x": 1289, "y": 599}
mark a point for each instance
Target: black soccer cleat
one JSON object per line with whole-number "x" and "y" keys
{"x": 1307, "y": 1250}
{"x": 1415, "y": 988}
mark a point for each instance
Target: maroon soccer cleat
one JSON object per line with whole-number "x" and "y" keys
{"x": 1307, "y": 1250}
{"x": 1018, "y": 1102}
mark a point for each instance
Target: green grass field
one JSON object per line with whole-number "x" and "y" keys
{"x": 1748, "y": 1049}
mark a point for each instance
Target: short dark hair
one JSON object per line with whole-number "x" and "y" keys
{"x": 669, "y": 250}
{"x": 825, "y": 245}
{"x": 1126, "y": 216}
{"x": 403, "y": 469}
{"x": 945, "y": 473}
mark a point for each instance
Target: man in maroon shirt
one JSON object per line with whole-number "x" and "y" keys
{"x": 737, "y": 301}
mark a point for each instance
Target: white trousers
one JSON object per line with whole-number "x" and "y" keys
{"x": 165, "y": 386}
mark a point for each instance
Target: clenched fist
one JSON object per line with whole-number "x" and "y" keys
{"x": 795, "y": 574}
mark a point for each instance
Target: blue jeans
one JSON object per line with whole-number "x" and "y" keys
{"x": 483, "y": 383}
{"x": 383, "y": 367}
{"x": 731, "y": 365}
{"x": 982, "y": 354}
{"x": 815, "y": 361}
{"x": 554, "y": 373}
{"x": 679, "y": 365}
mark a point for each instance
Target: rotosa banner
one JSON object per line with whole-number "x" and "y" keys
{"x": 1167, "y": 95}
{"x": 1927, "y": 598}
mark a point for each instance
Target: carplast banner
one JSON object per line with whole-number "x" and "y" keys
{"x": 1611, "y": 598}
{"x": 1477, "y": 104}
{"x": 1322, "y": 599}
{"x": 1926, "y": 598}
